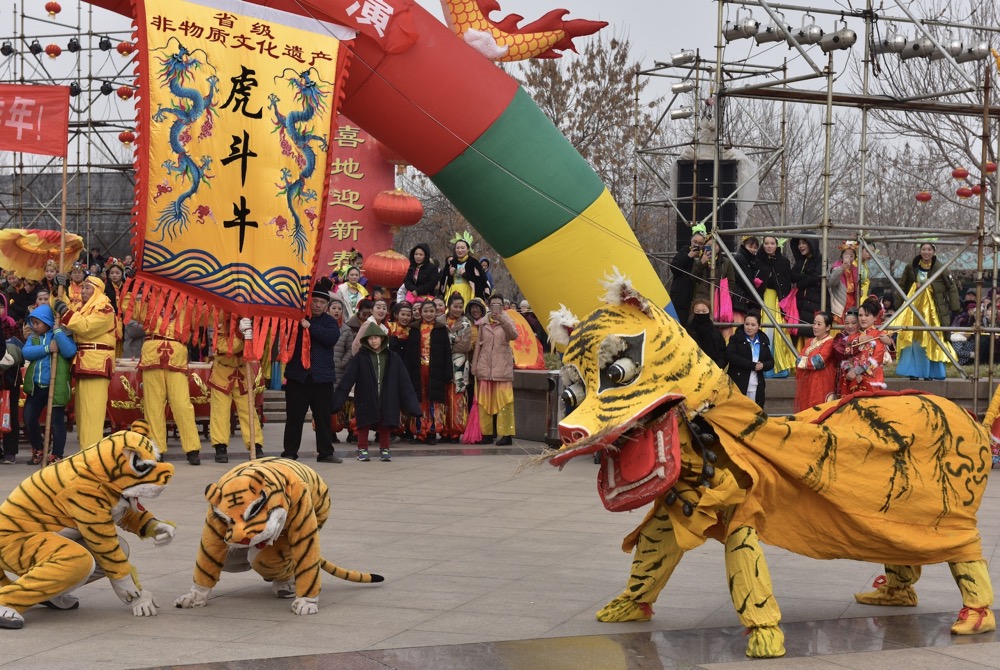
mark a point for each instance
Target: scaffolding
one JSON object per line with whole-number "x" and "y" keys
{"x": 76, "y": 46}
{"x": 727, "y": 83}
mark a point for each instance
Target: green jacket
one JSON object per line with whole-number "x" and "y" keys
{"x": 38, "y": 372}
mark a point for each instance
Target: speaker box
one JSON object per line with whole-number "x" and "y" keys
{"x": 694, "y": 198}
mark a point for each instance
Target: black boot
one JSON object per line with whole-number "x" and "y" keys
{"x": 220, "y": 453}
{"x": 259, "y": 450}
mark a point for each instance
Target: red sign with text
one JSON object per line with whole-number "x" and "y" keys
{"x": 34, "y": 119}
{"x": 358, "y": 173}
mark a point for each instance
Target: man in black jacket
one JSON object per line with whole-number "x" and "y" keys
{"x": 309, "y": 384}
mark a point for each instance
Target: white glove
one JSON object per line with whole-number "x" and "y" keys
{"x": 246, "y": 327}
{"x": 163, "y": 533}
{"x": 144, "y": 605}
{"x": 196, "y": 597}
{"x": 125, "y": 588}
{"x": 305, "y": 605}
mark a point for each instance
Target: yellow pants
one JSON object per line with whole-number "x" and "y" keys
{"x": 505, "y": 420}
{"x": 48, "y": 565}
{"x": 220, "y": 421}
{"x": 972, "y": 577}
{"x": 91, "y": 403}
{"x": 160, "y": 387}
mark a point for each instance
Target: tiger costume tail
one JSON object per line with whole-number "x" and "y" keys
{"x": 350, "y": 575}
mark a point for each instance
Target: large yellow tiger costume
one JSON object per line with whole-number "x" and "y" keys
{"x": 894, "y": 479}
{"x": 266, "y": 515}
{"x": 61, "y": 520}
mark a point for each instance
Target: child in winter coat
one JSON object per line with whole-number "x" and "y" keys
{"x": 38, "y": 352}
{"x": 381, "y": 389}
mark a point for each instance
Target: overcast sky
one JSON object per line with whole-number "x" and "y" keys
{"x": 655, "y": 27}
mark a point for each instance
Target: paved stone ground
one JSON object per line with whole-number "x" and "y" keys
{"x": 485, "y": 568}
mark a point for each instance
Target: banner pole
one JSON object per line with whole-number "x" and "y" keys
{"x": 249, "y": 381}
{"x": 54, "y": 360}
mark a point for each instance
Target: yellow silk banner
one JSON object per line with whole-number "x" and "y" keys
{"x": 235, "y": 115}
{"x": 527, "y": 349}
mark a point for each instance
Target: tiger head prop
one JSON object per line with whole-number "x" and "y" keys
{"x": 252, "y": 500}
{"x": 631, "y": 374}
{"x": 127, "y": 462}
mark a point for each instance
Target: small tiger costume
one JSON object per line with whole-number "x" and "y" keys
{"x": 60, "y": 522}
{"x": 891, "y": 478}
{"x": 266, "y": 515}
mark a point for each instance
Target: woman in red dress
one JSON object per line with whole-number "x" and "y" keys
{"x": 816, "y": 373}
{"x": 869, "y": 347}
{"x": 842, "y": 348}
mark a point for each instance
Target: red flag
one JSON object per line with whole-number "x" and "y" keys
{"x": 34, "y": 119}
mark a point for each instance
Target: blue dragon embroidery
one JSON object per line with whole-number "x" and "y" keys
{"x": 296, "y": 134}
{"x": 178, "y": 73}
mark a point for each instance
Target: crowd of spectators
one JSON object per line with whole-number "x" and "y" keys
{"x": 840, "y": 350}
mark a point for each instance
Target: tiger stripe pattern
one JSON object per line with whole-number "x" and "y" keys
{"x": 886, "y": 477}
{"x": 91, "y": 494}
{"x": 272, "y": 509}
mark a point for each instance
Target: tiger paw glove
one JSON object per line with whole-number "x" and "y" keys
{"x": 145, "y": 604}
{"x": 305, "y": 605}
{"x": 196, "y": 597}
{"x": 125, "y": 588}
{"x": 162, "y": 532}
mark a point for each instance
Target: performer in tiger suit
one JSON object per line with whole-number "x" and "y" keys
{"x": 58, "y": 528}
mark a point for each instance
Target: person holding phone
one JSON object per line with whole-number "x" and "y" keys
{"x": 493, "y": 364}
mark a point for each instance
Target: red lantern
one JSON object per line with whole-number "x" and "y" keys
{"x": 53, "y": 50}
{"x": 125, "y": 48}
{"x": 923, "y": 196}
{"x": 959, "y": 173}
{"x": 991, "y": 167}
{"x": 125, "y": 92}
{"x": 976, "y": 189}
{"x": 398, "y": 208}
{"x": 386, "y": 268}
{"x": 53, "y": 8}
{"x": 126, "y": 137}
{"x": 964, "y": 192}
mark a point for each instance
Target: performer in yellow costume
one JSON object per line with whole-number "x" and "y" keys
{"x": 58, "y": 527}
{"x": 93, "y": 328}
{"x": 75, "y": 285}
{"x": 164, "y": 365}
{"x": 891, "y": 478}
{"x": 228, "y": 384}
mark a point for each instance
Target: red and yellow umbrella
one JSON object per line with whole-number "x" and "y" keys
{"x": 27, "y": 251}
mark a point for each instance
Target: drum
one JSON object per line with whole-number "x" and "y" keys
{"x": 125, "y": 401}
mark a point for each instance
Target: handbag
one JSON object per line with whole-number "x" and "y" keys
{"x": 4, "y": 411}
{"x": 790, "y": 308}
{"x": 723, "y": 302}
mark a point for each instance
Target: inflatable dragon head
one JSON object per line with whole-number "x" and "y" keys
{"x": 632, "y": 376}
